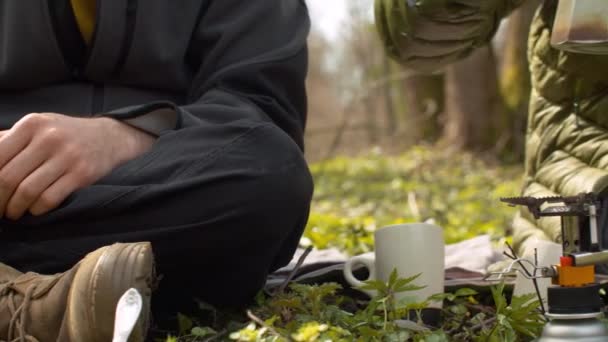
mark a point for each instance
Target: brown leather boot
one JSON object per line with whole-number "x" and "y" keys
{"x": 78, "y": 305}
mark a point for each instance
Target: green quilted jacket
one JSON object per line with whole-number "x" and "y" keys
{"x": 567, "y": 137}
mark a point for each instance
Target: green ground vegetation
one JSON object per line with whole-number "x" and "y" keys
{"x": 353, "y": 198}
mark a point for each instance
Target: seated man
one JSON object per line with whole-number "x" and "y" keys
{"x": 178, "y": 123}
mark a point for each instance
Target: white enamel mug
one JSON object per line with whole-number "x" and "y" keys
{"x": 411, "y": 249}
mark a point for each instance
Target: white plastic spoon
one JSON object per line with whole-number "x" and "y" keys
{"x": 127, "y": 312}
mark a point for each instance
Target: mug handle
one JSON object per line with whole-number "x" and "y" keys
{"x": 356, "y": 261}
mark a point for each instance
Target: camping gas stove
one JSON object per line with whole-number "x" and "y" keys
{"x": 574, "y": 301}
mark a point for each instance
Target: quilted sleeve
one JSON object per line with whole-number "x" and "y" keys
{"x": 426, "y": 35}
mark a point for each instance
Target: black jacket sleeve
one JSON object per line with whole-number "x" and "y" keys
{"x": 250, "y": 60}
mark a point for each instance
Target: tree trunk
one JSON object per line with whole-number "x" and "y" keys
{"x": 370, "y": 114}
{"x": 388, "y": 91}
{"x": 515, "y": 79}
{"x": 471, "y": 101}
{"x": 424, "y": 100}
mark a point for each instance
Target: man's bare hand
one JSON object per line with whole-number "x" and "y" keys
{"x": 45, "y": 157}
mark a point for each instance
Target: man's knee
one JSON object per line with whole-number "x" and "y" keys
{"x": 262, "y": 237}
{"x": 285, "y": 178}
{"x": 277, "y": 203}
{"x": 279, "y": 197}
{"x": 287, "y": 210}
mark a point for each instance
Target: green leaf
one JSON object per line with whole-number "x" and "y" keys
{"x": 260, "y": 298}
{"x": 499, "y": 299}
{"x": 202, "y": 331}
{"x": 404, "y": 284}
{"x": 465, "y": 292}
{"x": 397, "y": 336}
{"x": 286, "y": 303}
{"x": 438, "y": 336}
{"x": 375, "y": 285}
{"x": 440, "y": 297}
{"x": 368, "y": 332}
{"x": 393, "y": 278}
{"x": 458, "y": 309}
{"x": 525, "y": 303}
{"x": 406, "y": 288}
{"x": 184, "y": 324}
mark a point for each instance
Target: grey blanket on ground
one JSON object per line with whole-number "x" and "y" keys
{"x": 466, "y": 263}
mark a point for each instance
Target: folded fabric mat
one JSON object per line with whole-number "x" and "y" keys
{"x": 466, "y": 264}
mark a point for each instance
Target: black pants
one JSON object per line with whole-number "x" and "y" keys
{"x": 223, "y": 205}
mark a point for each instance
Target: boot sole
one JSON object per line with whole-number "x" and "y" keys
{"x": 101, "y": 279}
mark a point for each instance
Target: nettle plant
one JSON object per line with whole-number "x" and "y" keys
{"x": 308, "y": 313}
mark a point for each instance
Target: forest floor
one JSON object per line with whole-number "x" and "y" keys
{"x": 353, "y": 197}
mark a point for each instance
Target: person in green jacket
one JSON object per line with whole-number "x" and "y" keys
{"x": 567, "y": 137}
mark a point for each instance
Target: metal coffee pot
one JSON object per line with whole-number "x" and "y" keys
{"x": 581, "y": 26}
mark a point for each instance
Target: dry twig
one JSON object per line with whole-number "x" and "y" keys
{"x": 293, "y": 272}
{"x": 260, "y": 322}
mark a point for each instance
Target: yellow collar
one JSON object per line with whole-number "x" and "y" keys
{"x": 85, "y": 12}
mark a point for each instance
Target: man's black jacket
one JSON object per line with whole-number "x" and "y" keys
{"x": 161, "y": 65}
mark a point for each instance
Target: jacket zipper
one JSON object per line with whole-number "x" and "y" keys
{"x": 71, "y": 44}
{"x": 74, "y": 49}
{"x": 99, "y": 89}
{"x": 128, "y": 40}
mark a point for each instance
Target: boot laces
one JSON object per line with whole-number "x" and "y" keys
{"x": 16, "y": 329}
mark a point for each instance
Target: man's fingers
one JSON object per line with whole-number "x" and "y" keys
{"x": 54, "y": 195}
{"x": 33, "y": 186}
{"x": 16, "y": 170}
{"x": 11, "y": 143}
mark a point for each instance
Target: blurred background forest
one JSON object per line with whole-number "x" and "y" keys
{"x": 359, "y": 98}
{"x": 388, "y": 145}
